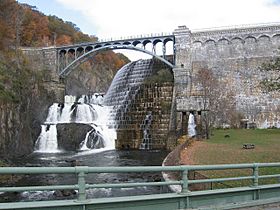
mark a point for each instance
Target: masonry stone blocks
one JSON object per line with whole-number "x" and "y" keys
{"x": 234, "y": 55}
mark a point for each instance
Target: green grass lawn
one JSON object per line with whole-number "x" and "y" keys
{"x": 221, "y": 150}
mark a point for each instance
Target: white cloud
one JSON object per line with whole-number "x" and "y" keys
{"x": 127, "y": 18}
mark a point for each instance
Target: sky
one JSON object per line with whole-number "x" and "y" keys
{"x": 123, "y": 18}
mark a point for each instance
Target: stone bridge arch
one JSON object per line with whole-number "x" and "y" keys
{"x": 89, "y": 51}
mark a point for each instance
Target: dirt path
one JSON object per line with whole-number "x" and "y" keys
{"x": 187, "y": 154}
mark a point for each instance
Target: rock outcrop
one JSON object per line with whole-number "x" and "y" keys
{"x": 70, "y": 135}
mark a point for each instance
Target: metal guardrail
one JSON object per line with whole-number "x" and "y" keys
{"x": 141, "y": 36}
{"x": 82, "y": 171}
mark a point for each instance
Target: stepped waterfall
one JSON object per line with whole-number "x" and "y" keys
{"x": 85, "y": 110}
{"x": 132, "y": 106}
{"x": 122, "y": 94}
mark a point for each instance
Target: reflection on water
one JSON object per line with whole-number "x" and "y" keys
{"x": 106, "y": 158}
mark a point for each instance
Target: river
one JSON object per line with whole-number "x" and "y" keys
{"x": 97, "y": 144}
{"x": 109, "y": 158}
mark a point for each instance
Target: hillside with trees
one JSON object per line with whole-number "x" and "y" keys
{"x": 24, "y": 96}
{"x": 24, "y": 25}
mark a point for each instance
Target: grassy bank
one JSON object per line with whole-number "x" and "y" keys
{"x": 226, "y": 147}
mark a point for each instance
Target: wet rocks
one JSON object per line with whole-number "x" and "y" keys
{"x": 70, "y": 135}
{"x": 64, "y": 193}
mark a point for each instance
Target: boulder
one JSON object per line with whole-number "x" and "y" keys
{"x": 70, "y": 135}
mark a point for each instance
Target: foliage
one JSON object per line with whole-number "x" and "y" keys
{"x": 23, "y": 25}
{"x": 34, "y": 29}
{"x": 66, "y": 32}
{"x": 8, "y": 16}
{"x": 123, "y": 58}
{"x": 115, "y": 61}
{"x": 272, "y": 80}
{"x": 15, "y": 81}
{"x": 95, "y": 75}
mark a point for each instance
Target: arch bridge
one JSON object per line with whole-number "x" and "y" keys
{"x": 71, "y": 56}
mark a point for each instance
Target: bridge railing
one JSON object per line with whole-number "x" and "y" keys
{"x": 82, "y": 171}
{"x": 141, "y": 36}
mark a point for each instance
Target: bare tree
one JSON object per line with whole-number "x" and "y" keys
{"x": 218, "y": 101}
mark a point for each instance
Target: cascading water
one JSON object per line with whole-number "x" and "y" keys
{"x": 191, "y": 126}
{"x": 122, "y": 94}
{"x": 124, "y": 88}
{"x": 146, "y": 142}
{"x": 96, "y": 98}
{"x": 86, "y": 111}
{"x": 47, "y": 141}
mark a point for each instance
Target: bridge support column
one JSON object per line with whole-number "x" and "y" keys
{"x": 179, "y": 92}
{"x": 183, "y": 60}
{"x": 185, "y": 100}
{"x": 163, "y": 51}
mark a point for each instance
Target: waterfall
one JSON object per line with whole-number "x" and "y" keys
{"x": 87, "y": 110}
{"x": 47, "y": 141}
{"x": 124, "y": 89}
{"x": 96, "y": 98}
{"x": 191, "y": 126}
{"x": 130, "y": 113}
{"x": 146, "y": 141}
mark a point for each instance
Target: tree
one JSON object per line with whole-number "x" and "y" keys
{"x": 35, "y": 29}
{"x": 207, "y": 84}
{"x": 271, "y": 82}
{"x": 8, "y": 14}
{"x": 217, "y": 99}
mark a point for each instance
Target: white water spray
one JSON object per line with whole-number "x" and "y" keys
{"x": 191, "y": 126}
{"x": 47, "y": 141}
{"x": 95, "y": 115}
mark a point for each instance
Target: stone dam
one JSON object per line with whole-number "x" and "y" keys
{"x": 141, "y": 104}
{"x": 148, "y": 112}
{"x": 234, "y": 55}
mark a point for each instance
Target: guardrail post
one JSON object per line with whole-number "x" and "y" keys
{"x": 256, "y": 175}
{"x": 185, "y": 186}
{"x": 256, "y": 193}
{"x": 82, "y": 186}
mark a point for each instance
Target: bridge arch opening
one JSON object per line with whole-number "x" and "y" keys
{"x": 138, "y": 44}
{"x": 88, "y": 48}
{"x": 80, "y": 51}
{"x": 98, "y": 48}
{"x": 149, "y": 47}
{"x": 169, "y": 46}
{"x": 159, "y": 49}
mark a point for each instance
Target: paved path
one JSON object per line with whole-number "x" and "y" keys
{"x": 272, "y": 206}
